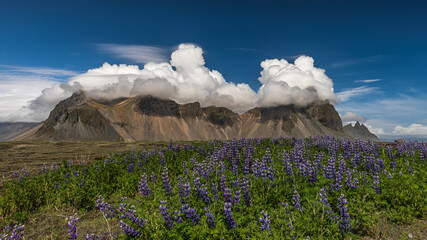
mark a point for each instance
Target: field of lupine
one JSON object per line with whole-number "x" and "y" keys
{"x": 286, "y": 188}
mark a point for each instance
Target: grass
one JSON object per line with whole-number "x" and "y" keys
{"x": 399, "y": 212}
{"x": 31, "y": 155}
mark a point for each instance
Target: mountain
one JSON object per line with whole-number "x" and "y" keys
{"x": 360, "y": 131}
{"x": 153, "y": 119}
{"x": 10, "y": 130}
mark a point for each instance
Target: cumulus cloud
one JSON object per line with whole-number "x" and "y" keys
{"x": 413, "y": 129}
{"x": 135, "y": 53}
{"x": 350, "y": 117}
{"x": 300, "y": 83}
{"x": 186, "y": 79}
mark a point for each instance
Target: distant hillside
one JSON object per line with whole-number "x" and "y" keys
{"x": 154, "y": 119}
{"x": 10, "y": 130}
{"x": 360, "y": 131}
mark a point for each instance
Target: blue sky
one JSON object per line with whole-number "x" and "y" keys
{"x": 375, "y": 52}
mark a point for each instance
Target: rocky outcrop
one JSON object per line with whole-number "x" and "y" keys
{"x": 154, "y": 119}
{"x": 74, "y": 118}
{"x": 360, "y": 131}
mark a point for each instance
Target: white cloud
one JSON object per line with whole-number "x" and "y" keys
{"x": 190, "y": 81}
{"x": 21, "y": 85}
{"x": 350, "y": 117}
{"x": 16, "y": 94}
{"x": 376, "y": 131}
{"x": 187, "y": 79}
{"x": 368, "y": 80}
{"x": 300, "y": 83}
{"x": 135, "y": 53}
{"x": 355, "y": 92}
{"x": 413, "y": 129}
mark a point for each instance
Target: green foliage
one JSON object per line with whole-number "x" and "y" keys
{"x": 402, "y": 196}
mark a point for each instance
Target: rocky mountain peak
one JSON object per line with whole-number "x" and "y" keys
{"x": 360, "y": 131}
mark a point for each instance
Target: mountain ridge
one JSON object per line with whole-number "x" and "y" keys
{"x": 360, "y": 131}
{"x": 154, "y": 119}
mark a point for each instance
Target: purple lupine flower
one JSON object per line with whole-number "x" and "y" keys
{"x": 296, "y": 200}
{"x": 215, "y": 191}
{"x": 210, "y": 218}
{"x": 285, "y": 206}
{"x": 106, "y": 209}
{"x": 376, "y": 183}
{"x": 263, "y": 170}
{"x": 204, "y": 195}
{"x": 165, "y": 213}
{"x": 54, "y": 166}
{"x": 16, "y": 232}
{"x": 393, "y": 165}
{"x": 411, "y": 170}
{"x": 381, "y": 165}
{"x": 91, "y": 237}
{"x": 153, "y": 177}
{"x": 128, "y": 230}
{"x": 196, "y": 183}
{"x": 235, "y": 167}
{"x": 177, "y": 216}
{"x": 166, "y": 182}
{"x": 72, "y": 227}
{"x": 324, "y": 197}
{"x": 267, "y": 157}
{"x": 236, "y": 200}
{"x": 222, "y": 183}
{"x": 143, "y": 186}
{"x": 287, "y": 166}
{"x": 344, "y": 217}
{"x": 256, "y": 168}
{"x": 56, "y": 185}
{"x": 228, "y": 196}
{"x": 184, "y": 167}
{"x": 246, "y": 192}
{"x": 229, "y": 215}
{"x": 162, "y": 159}
{"x": 44, "y": 169}
{"x": 318, "y": 157}
{"x": 131, "y": 214}
{"x": 191, "y": 213}
{"x": 330, "y": 169}
{"x": 186, "y": 190}
{"x": 265, "y": 221}
{"x": 131, "y": 167}
{"x": 338, "y": 181}
{"x": 247, "y": 166}
{"x": 271, "y": 173}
